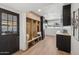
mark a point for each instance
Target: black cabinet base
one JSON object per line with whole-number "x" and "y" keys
{"x": 63, "y": 42}
{"x": 64, "y": 50}
{"x": 7, "y": 53}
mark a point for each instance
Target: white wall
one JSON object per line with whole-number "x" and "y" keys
{"x": 22, "y": 27}
{"x": 74, "y": 42}
{"x": 23, "y": 41}
{"x": 51, "y": 31}
{"x": 53, "y": 11}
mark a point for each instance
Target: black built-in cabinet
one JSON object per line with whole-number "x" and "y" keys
{"x": 63, "y": 42}
{"x": 9, "y": 32}
{"x": 67, "y": 15}
{"x": 42, "y": 28}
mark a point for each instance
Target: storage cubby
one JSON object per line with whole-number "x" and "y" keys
{"x": 33, "y": 31}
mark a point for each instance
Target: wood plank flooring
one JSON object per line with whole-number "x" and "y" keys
{"x": 43, "y": 47}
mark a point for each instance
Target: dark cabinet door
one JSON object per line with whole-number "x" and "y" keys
{"x": 67, "y": 15}
{"x": 8, "y": 44}
{"x": 42, "y": 29}
{"x": 67, "y": 43}
{"x": 4, "y": 45}
{"x": 14, "y": 44}
{"x": 9, "y": 32}
{"x": 59, "y": 41}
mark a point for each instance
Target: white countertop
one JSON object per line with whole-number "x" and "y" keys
{"x": 60, "y": 33}
{"x": 63, "y": 34}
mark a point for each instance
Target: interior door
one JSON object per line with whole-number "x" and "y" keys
{"x": 9, "y": 32}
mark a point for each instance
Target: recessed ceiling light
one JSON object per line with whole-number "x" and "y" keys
{"x": 39, "y": 10}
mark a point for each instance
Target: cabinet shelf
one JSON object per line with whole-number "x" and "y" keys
{"x": 34, "y": 39}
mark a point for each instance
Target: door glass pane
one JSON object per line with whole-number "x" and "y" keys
{"x": 9, "y": 23}
{"x": 4, "y": 19}
{"x": 4, "y": 22}
{"x": 9, "y": 26}
{"x": 15, "y": 18}
{"x": 14, "y": 29}
{"x": 4, "y": 30}
{"x": 4, "y": 16}
{"x": 9, "y": 17}
{"x": 15, "y": 24}
{"x": 10, "y": 29}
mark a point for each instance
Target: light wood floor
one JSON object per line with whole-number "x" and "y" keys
{"x": 44, "y": 47}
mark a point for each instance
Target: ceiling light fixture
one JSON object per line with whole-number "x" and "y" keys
{"x": 39, "y": 10}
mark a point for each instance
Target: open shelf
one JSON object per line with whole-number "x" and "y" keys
{"x": 34, "y": 39}
{"x": 33, "y": 27}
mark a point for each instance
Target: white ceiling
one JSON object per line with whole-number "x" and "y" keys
{"x": 26, "y": 6}
{"x": 49, "y": 10}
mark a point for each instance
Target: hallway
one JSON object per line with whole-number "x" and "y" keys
{"x": 44, "y": 47}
